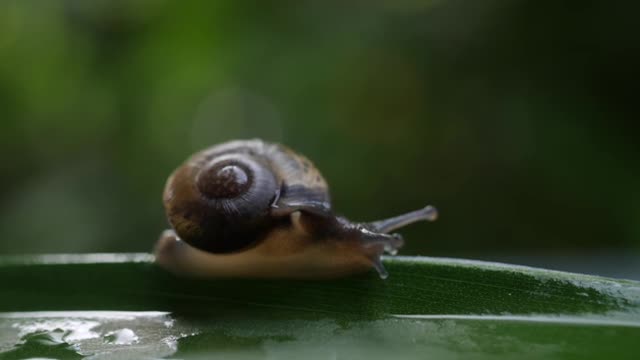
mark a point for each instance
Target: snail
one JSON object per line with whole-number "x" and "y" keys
{"x": 254, "y": 209}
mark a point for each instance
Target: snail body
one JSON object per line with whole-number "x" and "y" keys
{"x": 248, "y": 208}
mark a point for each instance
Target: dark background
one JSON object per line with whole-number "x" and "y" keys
{"x": 517, "y": 119}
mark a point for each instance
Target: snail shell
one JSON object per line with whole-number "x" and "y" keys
{"x": 222, "y": 198}
{"x": 249, "y": 208}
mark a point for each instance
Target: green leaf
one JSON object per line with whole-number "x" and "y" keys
{"x": 428, "y": 307}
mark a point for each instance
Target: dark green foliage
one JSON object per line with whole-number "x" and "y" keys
{"x": 515, "y": 118}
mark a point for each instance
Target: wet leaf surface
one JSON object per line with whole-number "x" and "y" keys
{"x": 123, "y": 306}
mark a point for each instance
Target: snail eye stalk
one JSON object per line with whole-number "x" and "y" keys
{"x": 428, "y": 213}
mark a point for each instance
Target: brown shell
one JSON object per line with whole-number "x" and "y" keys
{"x": 297, "y": 182}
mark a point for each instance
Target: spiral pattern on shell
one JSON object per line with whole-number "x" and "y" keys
{"x": 238, "y": 184}
{"x": 220, "y": 202}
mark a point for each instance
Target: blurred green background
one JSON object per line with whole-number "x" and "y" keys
{"x": 517, "y": 119}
